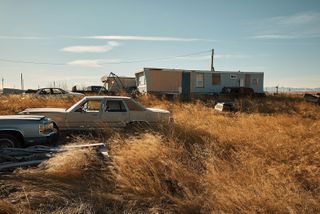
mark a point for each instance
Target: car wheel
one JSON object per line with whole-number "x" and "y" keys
{"x": 138, "y": 125}
{"x": 9, "y": 141}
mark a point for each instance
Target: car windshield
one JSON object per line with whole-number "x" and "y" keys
{"x": 75, "y": 105}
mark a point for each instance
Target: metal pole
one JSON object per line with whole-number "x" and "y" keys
{"x": 212, "y": 58}
{"x": 22, "y": 87}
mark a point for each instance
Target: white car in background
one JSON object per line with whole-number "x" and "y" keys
{"x": 95, "y": 112}
{"x": 53, "y": 92}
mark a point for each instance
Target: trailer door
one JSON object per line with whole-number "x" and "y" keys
{"x": 185, "y": 85}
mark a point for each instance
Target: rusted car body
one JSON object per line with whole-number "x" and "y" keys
{"x": 94, "y": 112}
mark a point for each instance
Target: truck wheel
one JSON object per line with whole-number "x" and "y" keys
{"x": 9, "y": 141}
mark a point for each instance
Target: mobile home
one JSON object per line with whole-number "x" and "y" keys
{"x": 188, "y": 82}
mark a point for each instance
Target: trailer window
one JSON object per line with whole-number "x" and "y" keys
{"x": 133, "y": 106}
{"x": 233, "y": 76}
{"x": 199, "y": 80}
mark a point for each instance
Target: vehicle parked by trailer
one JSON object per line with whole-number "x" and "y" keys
{"x": 25, "y": 130}
{"x": 54, "y": 92}
{"x": 96, "y": 112}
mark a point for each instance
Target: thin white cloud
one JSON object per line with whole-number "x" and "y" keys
{"x": 86, "y": 63}
{"x": 93, "y": 63}
{"x": 110, "y": 37}
{"x": 91, "y": 48}
{"x": 25, "y": 37}
{"x": 298, "y": 19}
{"x": 274, "y": 36}
{"x": 302, "y": 25}
{"x": 143, "y": 38}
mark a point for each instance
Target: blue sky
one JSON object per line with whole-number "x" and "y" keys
{"x": 82, "y": 40}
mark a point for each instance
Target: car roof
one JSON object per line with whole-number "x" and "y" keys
{"x": 49, "y": 88}
{"x": 106, "y": 97}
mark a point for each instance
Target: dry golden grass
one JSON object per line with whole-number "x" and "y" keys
{"x": 265, "y": 158}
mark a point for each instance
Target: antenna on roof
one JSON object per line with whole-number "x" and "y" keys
{"x": 212, "y": 58}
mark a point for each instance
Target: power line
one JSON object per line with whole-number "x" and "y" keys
{"x": 30, "y": 62}
{"x": 103, "y": 63}
{"x": 158, "y": 59}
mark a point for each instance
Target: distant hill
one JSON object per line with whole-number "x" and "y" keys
{"x": 288, "y": 89}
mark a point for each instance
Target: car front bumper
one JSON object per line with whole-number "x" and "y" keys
{"x": 45, "y": 139}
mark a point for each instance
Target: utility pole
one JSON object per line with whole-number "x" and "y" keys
{"x": 212, "y": 58}
{"x": 22, "y": 85}
{"x": 2, "y": 83}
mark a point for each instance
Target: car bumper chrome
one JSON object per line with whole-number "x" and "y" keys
{"x": 45, "y": 139}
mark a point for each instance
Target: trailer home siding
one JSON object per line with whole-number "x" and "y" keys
{"x": 215, "y": 81}
{"x": 164, "y": 81}
{"x": 186, "y": 82}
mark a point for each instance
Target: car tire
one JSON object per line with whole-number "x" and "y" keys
{"x": 138, "y": 125}
{"x": 9, "y": 141}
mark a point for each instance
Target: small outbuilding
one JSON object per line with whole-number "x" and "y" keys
{"x": 114, "y": 83}
{"x": 195, "y": 82}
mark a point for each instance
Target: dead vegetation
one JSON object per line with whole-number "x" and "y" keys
{"x": 265, "y": 158}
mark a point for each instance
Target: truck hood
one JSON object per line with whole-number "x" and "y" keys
{"x": 43, "y": 110}
{"x": 22, "y": 117}
{"x": 158, "y": 110}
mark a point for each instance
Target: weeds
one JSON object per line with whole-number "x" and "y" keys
{"x": 263, "y": 159}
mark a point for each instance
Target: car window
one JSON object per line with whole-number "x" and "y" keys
{"x": 92, "y": 106}
{"x": 45, "y": 91}
{"x": 56, "y": 91}
{"x": 115, "y": 106}
{"x": 133, "y": 106}
{"x": 62, "y": 91}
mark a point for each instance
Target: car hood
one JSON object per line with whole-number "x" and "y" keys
{"x": 22, "y": 117}
{"x": 44, "y": 110}
{"x": 158, "y": 110}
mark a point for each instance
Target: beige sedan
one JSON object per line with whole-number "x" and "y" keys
{"x": 94, "y": 112}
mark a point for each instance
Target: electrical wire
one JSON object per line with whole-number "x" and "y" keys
{"x": 30, "y": 62}
{"x": 103, "y": 63}
{"x": 158, "y": 59}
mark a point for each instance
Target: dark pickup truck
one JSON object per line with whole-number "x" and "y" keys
{"x": 25, "y": 130}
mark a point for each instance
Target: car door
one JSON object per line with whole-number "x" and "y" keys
{"x": 115, "y": 113}
{"x": 86, "y": 116}
{"x": 137, "y": 111}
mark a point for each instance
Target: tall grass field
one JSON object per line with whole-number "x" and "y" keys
{"x": 263, "y": 158}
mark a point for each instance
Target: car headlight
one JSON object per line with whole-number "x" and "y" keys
{"x": 45, "y": 127}
{"x": 42, "y": 128}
